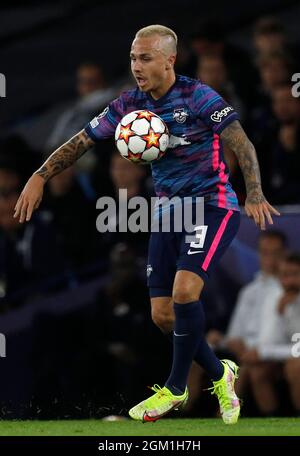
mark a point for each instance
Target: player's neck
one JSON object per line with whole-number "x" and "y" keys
{"x": 163, "y": 89}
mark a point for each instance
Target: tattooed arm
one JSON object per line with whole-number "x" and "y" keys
{"x": 65, "y": 156}
{"x": 256, "y": 205}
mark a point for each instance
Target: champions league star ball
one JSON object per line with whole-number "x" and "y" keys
{"x": 142, "y": 137}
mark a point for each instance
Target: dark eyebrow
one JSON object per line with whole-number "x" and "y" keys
{"x": 141, "y": 55}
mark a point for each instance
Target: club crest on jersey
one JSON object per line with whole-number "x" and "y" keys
{"x": 180, "y": 115}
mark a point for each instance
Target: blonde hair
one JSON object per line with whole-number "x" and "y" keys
{"x": 170, "y": 37}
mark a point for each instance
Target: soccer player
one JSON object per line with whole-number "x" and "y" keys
{"x": 200, "y": 122}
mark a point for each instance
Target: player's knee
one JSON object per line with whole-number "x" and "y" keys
{"x": 183, "y": 294}
{"x": 164, "y": 320}
{"x": 187, "y": 287}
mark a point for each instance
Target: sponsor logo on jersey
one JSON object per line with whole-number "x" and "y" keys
{"x": 217, "y": 115}
{"x": 180, "y": 115}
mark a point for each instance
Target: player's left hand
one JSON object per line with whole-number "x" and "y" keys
{"x": 260, "y": 211}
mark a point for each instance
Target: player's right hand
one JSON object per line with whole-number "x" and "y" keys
{"x": 30, "y": 198}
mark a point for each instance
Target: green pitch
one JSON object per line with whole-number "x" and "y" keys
{"x": 164, "y": 427}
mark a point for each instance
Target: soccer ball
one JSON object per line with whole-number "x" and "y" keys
{"x": 142, "y": 137}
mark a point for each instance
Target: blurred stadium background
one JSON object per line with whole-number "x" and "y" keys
{"x": 73, "y": 303}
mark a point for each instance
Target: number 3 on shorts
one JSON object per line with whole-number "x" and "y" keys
{"x": 200, "y": 236}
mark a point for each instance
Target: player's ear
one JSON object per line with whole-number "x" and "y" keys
{"x": 170, "y": 62}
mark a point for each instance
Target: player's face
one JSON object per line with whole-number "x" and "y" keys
{"x": 151, "y": 68}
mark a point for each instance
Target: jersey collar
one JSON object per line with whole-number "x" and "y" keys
{"x": 165, "y": 96}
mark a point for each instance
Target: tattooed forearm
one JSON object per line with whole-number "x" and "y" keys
{"x": 65, "y": 155}
{"x": 236, "y": 139}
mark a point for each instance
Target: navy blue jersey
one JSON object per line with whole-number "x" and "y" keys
{"x": 194, "y": 163}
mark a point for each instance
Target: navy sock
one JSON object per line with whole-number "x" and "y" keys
{"x": 207, "y": 359}
{"x": 189, "y": 325}
{"x": 204, "y": 356}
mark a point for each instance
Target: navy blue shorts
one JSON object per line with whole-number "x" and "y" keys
{"x": 170, "y": 252}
